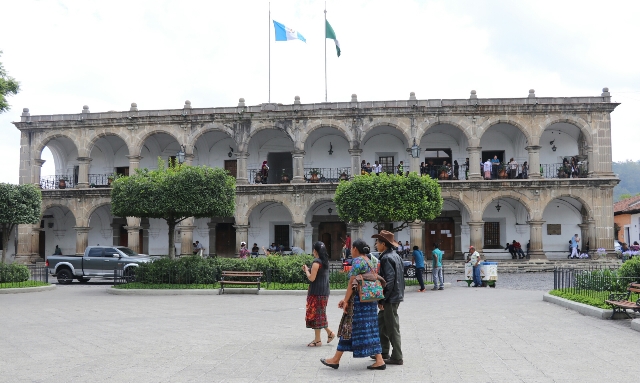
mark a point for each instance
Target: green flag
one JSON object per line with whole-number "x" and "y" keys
{"x": 332, "y": 35}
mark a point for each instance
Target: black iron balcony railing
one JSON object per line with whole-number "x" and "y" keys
{"x": 100, "y": 180}
{"x": 326, "y": 175}
{"x": 564, "y": 170}
{"x": 57, "y": 182}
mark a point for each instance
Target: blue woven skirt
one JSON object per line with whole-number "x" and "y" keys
{"x": 365, "y": 336}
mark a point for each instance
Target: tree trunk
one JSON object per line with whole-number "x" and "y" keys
{"x": 6, "y": 233}
{"x": 172, "y": 238}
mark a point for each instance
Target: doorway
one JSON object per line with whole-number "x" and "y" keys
{"x": 279, "y": 163}
{"x": 490, "y": 153}
{"x": 225, "y": 240}
{"x": 124, "y": 239}
{"x": 333, "y": 235}
{"x": 441, "y": 231}
{"x": 41, "y": 239}
{"x": 231, "y": 166}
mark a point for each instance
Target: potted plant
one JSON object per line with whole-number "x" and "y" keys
{"x": 314, "y": 175}
{"x": 285, "y": 177}
{"x": 62, "y": 183}
{"x": 502, "y": 171}
{"x": 109, "y": 180}
{"x": 443, "y": 173}
{"x": 258, "y": 178}
{"x": 344, "y": 176}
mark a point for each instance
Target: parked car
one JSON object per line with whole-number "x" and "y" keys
{"x": 97, "y": 261}
{"x": 409, "y": 269}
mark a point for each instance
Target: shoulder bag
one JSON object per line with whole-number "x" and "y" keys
{"x": 370, "y": 285}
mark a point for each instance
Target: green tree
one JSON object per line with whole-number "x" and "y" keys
{"x": 388, "y": 198}
{"x": 174, "y": 194}
{"x": 19, "y": 204}
{"x": 8, "y": 86}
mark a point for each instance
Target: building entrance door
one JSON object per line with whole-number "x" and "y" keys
{"x": 225, "y": 240}
{"x": 41, "y": 239}
{"x": 232, "y": 167}
{"x": 333, "y": 235}
{"x": 279, "y": 162}
{"x": 441, "y": 231}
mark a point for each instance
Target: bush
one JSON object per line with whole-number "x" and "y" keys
{"x": 587, "y": 300}
{"x": 13, "y": 273}
{"x": 193, "y": 269}
{"x": 631, "y": 269}
{"x": 601, "y": 280}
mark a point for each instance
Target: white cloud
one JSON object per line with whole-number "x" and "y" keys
{"x": 160, "y": 53}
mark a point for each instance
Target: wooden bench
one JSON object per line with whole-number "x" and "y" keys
{"x": 620, "y": 301}
{"x": 238, "y": 274}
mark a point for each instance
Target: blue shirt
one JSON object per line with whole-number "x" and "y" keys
{"x": 437, "y": 257}
{"x": 418, "y": 258}
{"x": 573, "y": 242}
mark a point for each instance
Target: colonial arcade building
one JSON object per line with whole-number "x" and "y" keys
{"x": 309, "y": 148}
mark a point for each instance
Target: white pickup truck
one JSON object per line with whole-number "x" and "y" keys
{"x": 97, "y": 262}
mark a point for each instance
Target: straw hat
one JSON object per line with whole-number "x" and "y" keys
{"x": 386, "y": 236}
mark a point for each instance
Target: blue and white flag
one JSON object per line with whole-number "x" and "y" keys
{"x": 285, "y": 34}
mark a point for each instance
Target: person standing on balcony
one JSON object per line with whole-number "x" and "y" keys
{"x": 513, "y": 168}
{"x": 456, "y": 169}
{"x": 423, "y": 169}
{"x": 264, "y": 171}
{"x": 495, "y": 163}
{"x": 466, "y": 169}
{"x": 432, "y": 169}
{"x": 525, "y": 170}
{"x": 377, "y": 168}
{"x": 401, "y": 168}
{"x": 487, "y": 169}
{"x": 318, "y": 294}
{"x": 574, "y": 246}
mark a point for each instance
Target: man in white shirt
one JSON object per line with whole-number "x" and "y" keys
{"x": 377, "y": 168}
{"x": 475, "y": 262}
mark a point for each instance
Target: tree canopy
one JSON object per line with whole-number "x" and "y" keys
{"x": 174, "y": 194}
{"x": 19, "y": 204}
{"x": 629, "y": 184}
{"x": 389, "y": 198}
{"x": 8, "y": 86}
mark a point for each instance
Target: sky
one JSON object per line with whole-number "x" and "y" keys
{"x": 108, "y": 54}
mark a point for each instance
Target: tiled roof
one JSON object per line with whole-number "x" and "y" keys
{"x": 629, "y": 205}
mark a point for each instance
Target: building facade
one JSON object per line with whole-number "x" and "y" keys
{"x": 309, "y": 148}
{"x": 626, "y": 215}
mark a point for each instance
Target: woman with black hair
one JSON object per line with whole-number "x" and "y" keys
{"x": 358, "y": 330}
{"x": 318, "y": 294}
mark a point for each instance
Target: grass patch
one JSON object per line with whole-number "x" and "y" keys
{"x": 14, "y": 285}
{"x": 165, "y": 286}
{"x": 588, "y": 297}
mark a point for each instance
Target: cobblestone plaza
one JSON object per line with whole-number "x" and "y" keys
{"x": 80, "y": 333}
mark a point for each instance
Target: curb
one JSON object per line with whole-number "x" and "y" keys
{"x": 579, "y": 307}
{"x": 635, "y": 324}
{"x": 20, "y": 290}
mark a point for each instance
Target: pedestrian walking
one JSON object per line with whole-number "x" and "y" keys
{"x": 358, "y": 332}
{"x": 574, "y": 246}
{"x": 388, "y": 321}
{"x": 318, "y": 294}
{"x": 436, "y": 264}
{"x": 244, "y": 253}
{"x": 418, "y": 262}
{"x": 475, "y": 259}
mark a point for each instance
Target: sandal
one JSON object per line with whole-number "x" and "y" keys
{"x": 331, "y": 337}
{"x": 315, "y": 344}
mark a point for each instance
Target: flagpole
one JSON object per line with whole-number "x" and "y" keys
{"x": 325, "y": 51}
{"x": 269, "y": 36}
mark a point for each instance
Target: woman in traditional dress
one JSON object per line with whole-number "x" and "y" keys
{"x": 318, "y": 294}
{"x": 264, "y": 171}
{"x": 358, "y": 330}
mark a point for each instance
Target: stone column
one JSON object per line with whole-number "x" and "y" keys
{"x": 474, "y": 164}
{"x": 298, "y": 169}
{"x": 534, "y": 161}
{"x": 242, "y": 178}
{"x": 37, "y": 171}
{"x": 536, "y": 248}
{"x": 188, "y": 159}
{"x": 133, "y": 233}
{"x": 355, "y": 162}
{"x": 35, "y": 242}
{"x": 357, "y": 232}
{"x": 593, "y": 245}
{"x": 134, "y": 163}
{"x": 212, "y": 238}
{"x": 82, "y": 239}
{"x": 25, "y": 232}
{"x": 298, "y": 234}
{"x": 242, "y": 235}
{"x": 186, "y": 236}
{"x": 590, "y": 161}
{"x": 415, "y": 235}
{"x": 476, "y": 232}
{"x": 415, "y": 165}
{"x": 83, "y": 172}
{"x": 26, "y": 170}
{"x": 315, "y": 233}
{"x": 145, "y": 237}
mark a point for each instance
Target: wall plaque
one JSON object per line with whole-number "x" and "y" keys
{"x": 554, "y": 229}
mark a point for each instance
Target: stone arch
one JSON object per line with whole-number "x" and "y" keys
{"x": 139, "y": 143}
{"x": 513, "y": 194}
{"x": 273, "y": 199}
{"x": 43, "y": 141}
{"x": 274, "y": 126}
{"x": 406, "y": 131}
{"x": 504, "y": 120}
{"x": 96, "y": 207}
{"x": 64, "y": 204}
{"x": 459, "y": 200}
{"x": 92, "y": 142}
{"x": 585, "y": 205}
{"x": 317, "y": 124}
{"x": 212, "y": 127}
{"x": 313, "y": 202}
{"x": 576, "y": 121}
{"x": 423, "y": 128}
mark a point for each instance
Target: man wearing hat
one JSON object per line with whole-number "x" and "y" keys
{"x": 475, "y": 259}
{"x": 392, "y": 270}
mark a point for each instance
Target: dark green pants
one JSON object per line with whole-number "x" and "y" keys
{"x": 389, "y": 325}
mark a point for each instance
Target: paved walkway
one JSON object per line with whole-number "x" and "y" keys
{"x": 81, "y": 334}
